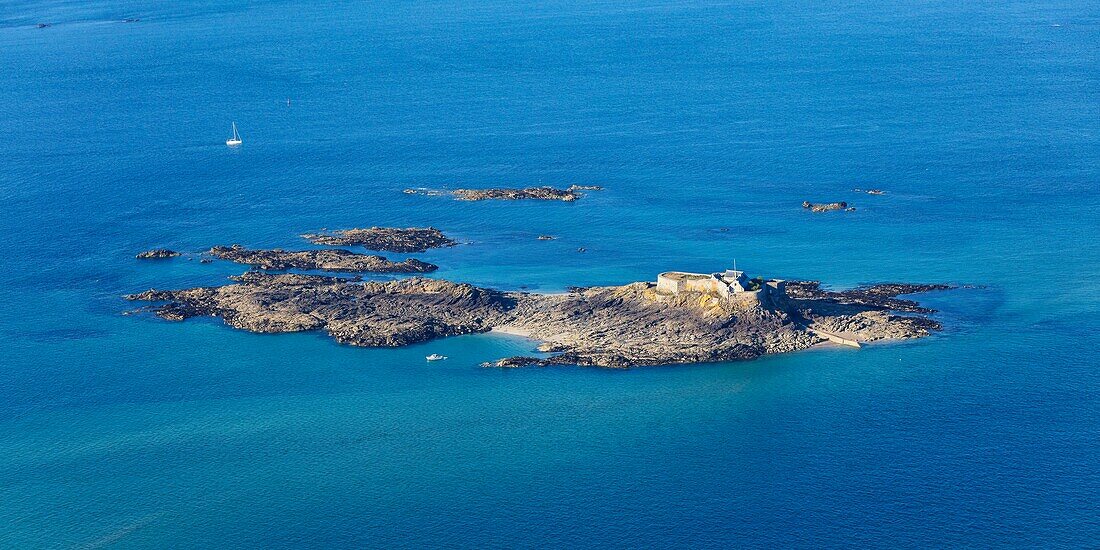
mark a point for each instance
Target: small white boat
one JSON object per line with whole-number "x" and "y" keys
{"x": 436, "y": 357}
{"x": 236, "y": 139}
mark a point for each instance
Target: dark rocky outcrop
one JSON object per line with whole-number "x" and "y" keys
{"x": 157, "y": 254}
{"x": 390, "y": 239}
{"x": 825, "y": 207}
{"x": 516, "y": 361}
{"x": 880, "y": 296}
{"x": 324, "y": 260}
{"x": 538, "y": 193}
{"x": 545, "y": 193}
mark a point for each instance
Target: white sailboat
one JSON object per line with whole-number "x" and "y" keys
{"x": 236, "y": 139}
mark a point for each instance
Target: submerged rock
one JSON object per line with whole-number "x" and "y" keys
{"x": 157, "y": 254}
{"x": 391, "y": 239}
{"x": 426, "y": 191}
{"x": 826, "y": 207}
{"x": 324, "y": 260}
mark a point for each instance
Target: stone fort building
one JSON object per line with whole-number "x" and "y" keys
{"x": 730, "y": 285}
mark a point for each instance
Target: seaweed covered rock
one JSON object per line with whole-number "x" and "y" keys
{"x": 157, "y": 254}
{"x": 323, "y": 260}
{"x": 390, "y": 239}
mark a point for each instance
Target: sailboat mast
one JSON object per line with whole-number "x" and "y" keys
{"x": 236, "y": 139}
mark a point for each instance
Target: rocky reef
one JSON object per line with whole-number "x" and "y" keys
{"x": 390, "y": 239}
{"x": 616, "y": 326}
{"x": 880, "y": 296}
{"x": 865, "y": 314}
{"x": 826, "y": 206}
{"x": 157, "y": 254}
{"x": 537, "y": 193}
{"x": 545, "y": 193}
{"x": 324, "y": 260}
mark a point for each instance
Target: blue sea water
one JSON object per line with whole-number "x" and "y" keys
{"x": 980, "y": 119}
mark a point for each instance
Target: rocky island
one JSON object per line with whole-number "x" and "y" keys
{"x": 323, "y": 260}
{"x": 826, "y": 206}
{"x": 545, "y": 193}
{"x": 682, "y": 318}
{"x": 390, "y": 239}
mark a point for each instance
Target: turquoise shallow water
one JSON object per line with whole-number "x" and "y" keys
{"x": 979, "y": 120}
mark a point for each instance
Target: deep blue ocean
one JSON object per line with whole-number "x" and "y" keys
{"x": 708, "y": 123}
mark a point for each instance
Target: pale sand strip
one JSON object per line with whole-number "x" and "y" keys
{"x": 514, "y": 331}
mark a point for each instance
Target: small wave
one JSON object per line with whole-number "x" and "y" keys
{"x": 122, "y": 532}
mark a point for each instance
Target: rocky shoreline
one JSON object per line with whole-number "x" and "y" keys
{"x": 618, "y": 326}
{"x": 322, "y": 260}
{"x": 389, "y": 239}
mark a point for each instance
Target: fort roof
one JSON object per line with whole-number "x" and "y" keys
{"x": 685, "y": 276}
